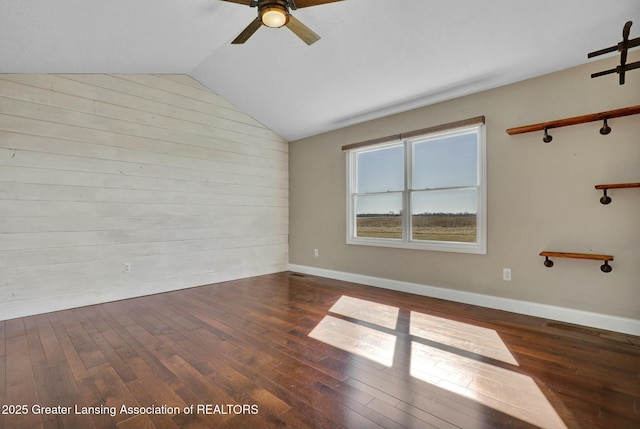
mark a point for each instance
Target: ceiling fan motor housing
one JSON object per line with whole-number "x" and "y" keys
{"x": 274, "y": 13}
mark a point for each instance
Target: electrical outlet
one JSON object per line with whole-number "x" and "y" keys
{"x": 506, "y": 274}
{"x": 126, "y": 267}
{"x": 315, "y": 253}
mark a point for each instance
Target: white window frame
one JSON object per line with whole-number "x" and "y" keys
{"x": 406, "y": 242}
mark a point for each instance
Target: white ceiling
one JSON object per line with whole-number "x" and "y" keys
{"x": 375, "y": 58}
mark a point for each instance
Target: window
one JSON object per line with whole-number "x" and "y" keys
{"x": 422, "y": 191}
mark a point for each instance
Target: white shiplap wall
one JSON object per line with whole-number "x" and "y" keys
{"x": 98, "y": 171}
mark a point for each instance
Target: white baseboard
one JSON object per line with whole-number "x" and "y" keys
{"x": 562, "y": 314}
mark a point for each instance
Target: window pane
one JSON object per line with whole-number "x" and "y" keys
{"x": 444, "y": 215}
{"x": 380, "y": 170}
{"x": 446, "y": 162}
{"x": 379, "y": 215}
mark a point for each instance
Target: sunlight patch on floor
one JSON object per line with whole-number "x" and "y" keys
{"x": 498, "y": 388}
{"x": 463, "y": 336}
{"x": 367, "y": 311}
{"x": 360, "y": 340}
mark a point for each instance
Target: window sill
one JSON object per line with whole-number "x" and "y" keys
{"x": 437, "y": 246}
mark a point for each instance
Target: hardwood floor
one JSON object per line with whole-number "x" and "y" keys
{"x": 287, "y": 350}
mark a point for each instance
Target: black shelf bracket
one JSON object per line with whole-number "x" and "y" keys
{"x": 623, "y": 47}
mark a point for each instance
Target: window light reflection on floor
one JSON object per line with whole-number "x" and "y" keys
{"x": 501, "y": 389}
{"x": 493, "y": 386}
{"x": 360, "y": 340}
{"x": 367, "y": 311}
{"x": 464, "y": 336}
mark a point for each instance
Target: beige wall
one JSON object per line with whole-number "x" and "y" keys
{"x": 540, "y": 197}
{"x": 151, "y": 170}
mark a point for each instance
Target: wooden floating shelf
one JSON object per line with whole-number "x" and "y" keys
{"x": 606, "y": 268}
{"x": 578, "y": 256}
{"x": 618, "y": 185}
{"x": 607, "y": 199}
{"x": 625, "y": 111}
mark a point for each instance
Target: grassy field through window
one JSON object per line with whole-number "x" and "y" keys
{"x": 429, "y": 226}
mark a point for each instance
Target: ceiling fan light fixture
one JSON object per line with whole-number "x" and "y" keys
{"x": 274, "y": 15}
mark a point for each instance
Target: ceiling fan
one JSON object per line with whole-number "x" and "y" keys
{"x": 275, "y": 14}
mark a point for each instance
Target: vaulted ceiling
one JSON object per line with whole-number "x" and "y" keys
{"x": 374, "y": 58}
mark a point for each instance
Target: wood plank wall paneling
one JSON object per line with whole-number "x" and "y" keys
{"x": 151, "y": 170}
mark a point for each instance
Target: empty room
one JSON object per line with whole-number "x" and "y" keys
{"x": 320, "y": 214}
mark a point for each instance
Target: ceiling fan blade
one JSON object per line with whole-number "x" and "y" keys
{"x": 247, "y": 32}
{"x": 244, "y": 2}
{"x": 302, "y": 31}
{"x": 307, "y": 3}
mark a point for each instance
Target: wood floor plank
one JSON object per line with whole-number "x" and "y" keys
{"x": 72, "y": 357}
{"x": 86, "y": 348}
{"x": 20, "y": 384}
{"x": 108, "y": 341}
{"x": 43, "y": 377}
{"x": 3, "y": 358}
{"x": 247, "y": 345}
{"x": 148, "y": 393}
